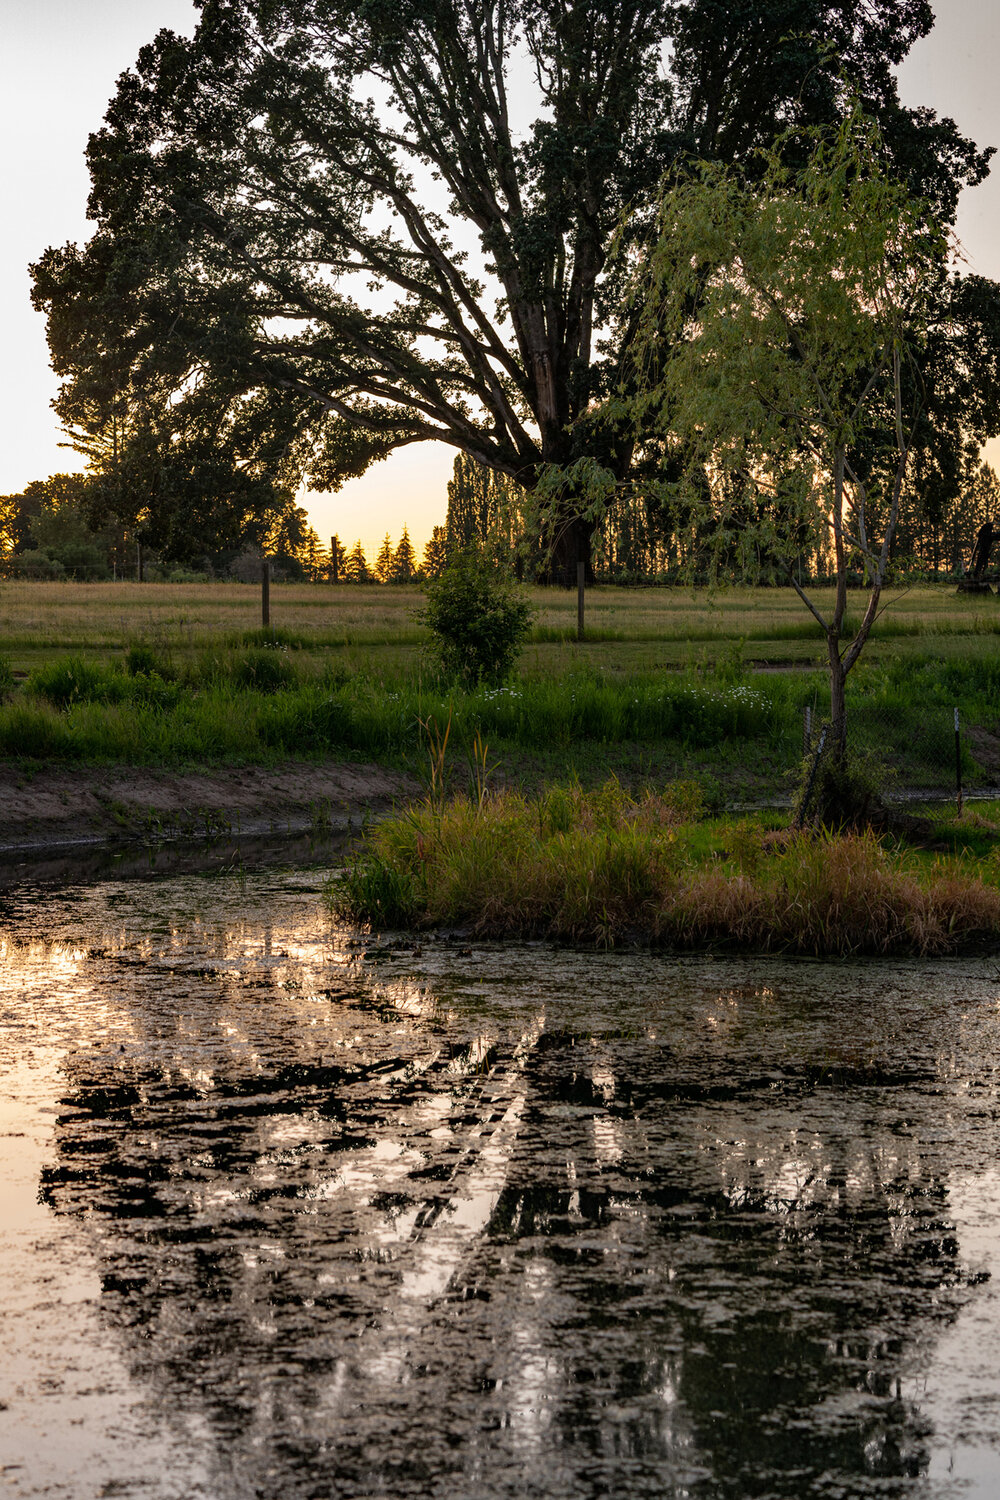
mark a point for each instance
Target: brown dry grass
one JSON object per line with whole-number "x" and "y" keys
{"x": 624, "y": 623}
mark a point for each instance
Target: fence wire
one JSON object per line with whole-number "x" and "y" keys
{"x": 936, "y": 757}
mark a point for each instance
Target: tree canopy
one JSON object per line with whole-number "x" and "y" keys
{"x": 783, "y": 332}
{"x": 325, "y": 231}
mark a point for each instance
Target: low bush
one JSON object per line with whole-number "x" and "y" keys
{"x": 142, "y": 660}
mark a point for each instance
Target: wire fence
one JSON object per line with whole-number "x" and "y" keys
{"x": 936, "y": 757}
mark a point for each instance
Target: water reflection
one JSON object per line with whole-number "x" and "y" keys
{"x": 375, "y": 1222}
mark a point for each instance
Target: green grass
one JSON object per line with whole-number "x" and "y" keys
{"x": 604, "y": 867}
{"x": 176, "y": 675}
{"x": 263, "y": 703}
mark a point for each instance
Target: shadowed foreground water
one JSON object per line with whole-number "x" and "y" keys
{"x": 287, "y": 1215}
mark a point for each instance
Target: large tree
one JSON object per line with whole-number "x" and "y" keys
{"x": 328, "y": 230}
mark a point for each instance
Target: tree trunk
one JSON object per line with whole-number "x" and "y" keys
{"x": 571, "y": 546}
{"x": 838, "y": 695}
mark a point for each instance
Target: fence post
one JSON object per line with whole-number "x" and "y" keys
{"x": 958, "y": 763}
{"x": 265, "y": 592}
{"x": 807, "y": 732}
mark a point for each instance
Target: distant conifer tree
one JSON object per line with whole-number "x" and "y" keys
{"x": 404, "y": 562}
{"x": 436, "y": 553}
{"x": 384, "y": 562}
{"x": 356, "y": 568}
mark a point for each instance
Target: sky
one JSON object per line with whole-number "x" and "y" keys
{"x": 59, "y": 60}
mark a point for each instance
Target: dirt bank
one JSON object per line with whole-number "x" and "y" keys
{"x": 63, "y": 805}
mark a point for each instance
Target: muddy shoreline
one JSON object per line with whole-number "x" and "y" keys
{"x": 65, "y": 814}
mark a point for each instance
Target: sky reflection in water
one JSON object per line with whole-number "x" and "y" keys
{"x": 286, "y": 1216}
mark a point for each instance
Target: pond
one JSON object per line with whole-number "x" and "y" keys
{"x": 289, "y": 1213}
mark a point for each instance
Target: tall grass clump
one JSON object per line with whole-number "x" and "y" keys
{"x": 72, "y": 679}
{"x": 34, "y": 731}
{"x": 263, "y": 670}
{"x": 605, "y": 867}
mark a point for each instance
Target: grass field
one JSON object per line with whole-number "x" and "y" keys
{"x": 627, "y": 629}
{"x": 669, "y": 682}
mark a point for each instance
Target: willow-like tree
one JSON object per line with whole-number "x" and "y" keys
{"x": 781, "y": 326}
{"x": 328, "y": 230}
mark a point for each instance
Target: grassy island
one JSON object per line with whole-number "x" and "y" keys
{"x": 605, "y": 867}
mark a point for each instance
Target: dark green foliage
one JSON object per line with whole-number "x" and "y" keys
{"x": 37, "y": 565}
{"x": 478, "y": 617}
{"x": 373, "y": 890}
{"x": 6, "y": 677}
{"x": 73, "y": 680}
{"x": 33, "y": 731}
{"x": 141, "y": 660}
{"x": 263, "y": 670}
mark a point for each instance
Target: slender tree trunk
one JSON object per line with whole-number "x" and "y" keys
{"x": 838, "y": 695}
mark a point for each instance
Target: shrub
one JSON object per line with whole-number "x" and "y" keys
{"x": 142, "y": 661}
{"x": 36, "y": 565}
{"x": 478, "y": 618}
{"x": 263, "y": 670}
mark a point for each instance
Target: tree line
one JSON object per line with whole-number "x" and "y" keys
{"x": 59, "y": 528}
{"x": 49, "y": 531}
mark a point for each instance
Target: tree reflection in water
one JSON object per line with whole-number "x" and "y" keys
{"x": 383, "y": 1238}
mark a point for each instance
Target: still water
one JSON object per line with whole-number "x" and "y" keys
{"x": 287, "y": 1213}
